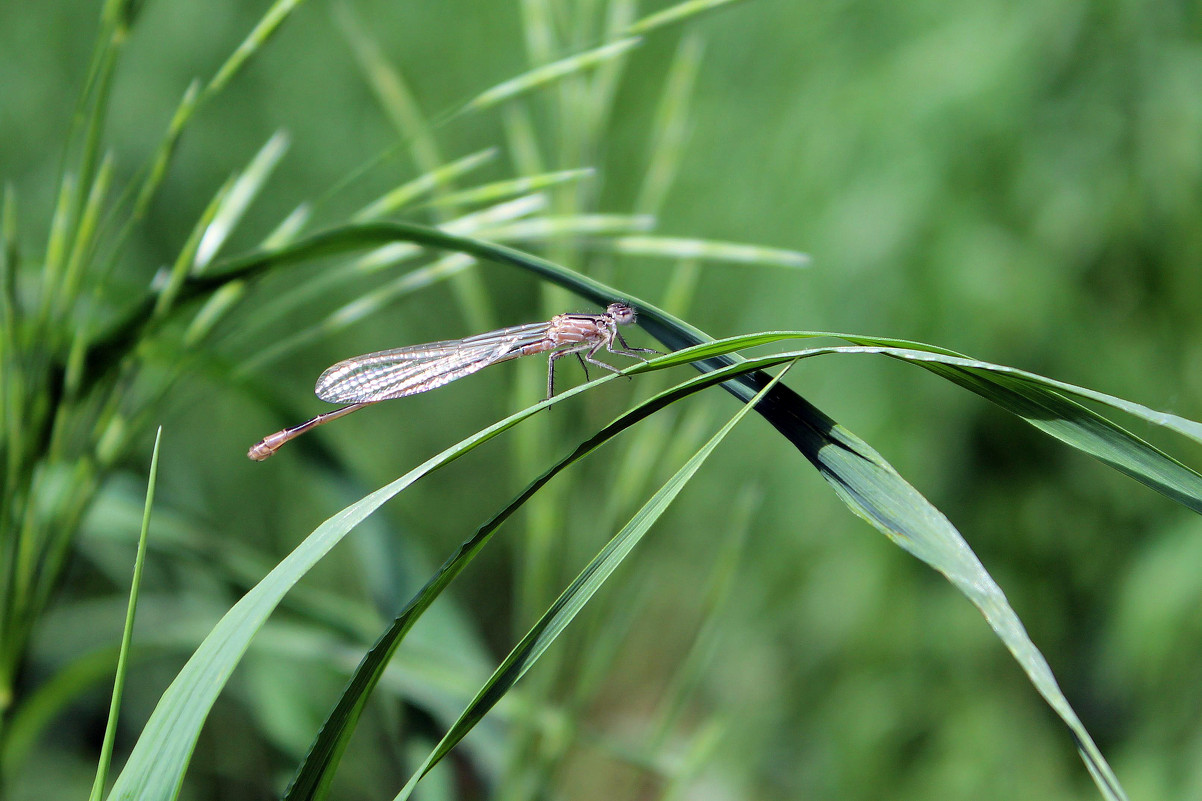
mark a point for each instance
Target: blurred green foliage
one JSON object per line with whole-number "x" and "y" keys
{"x": 1020, "y": 182}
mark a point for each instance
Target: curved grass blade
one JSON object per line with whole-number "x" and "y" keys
{"x": 317, "y": 770}
{"x": 234, "y": 203}
{"x": 676, "y": 14}
{"x": 572, "y": 600}
{"x": 1050, "y": 405}
{"x": 156, "y": 766}
{"x": 708, "y": 250}
{"x": 859, "y": 476}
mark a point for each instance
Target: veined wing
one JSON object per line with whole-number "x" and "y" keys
{"x": 405, "y": 371}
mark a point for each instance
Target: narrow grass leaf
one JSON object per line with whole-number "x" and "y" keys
{"x": 156, "y": 766}
{"x": 550, "y": 227}
{"x": 573, "y": 599}
{"x": 540, "y": 76}
{"x": 166, "y": 149}
{"x": 289, "y": 227}
{"x": 676, "y": 14}
{"x": 237, "y": 200}
{"x": 56, "y": 248}
{"x": 267, "y": 26}
{"x": 423, "y": 185}
{"x": 110, "y": 729}
{"x": 170, "y": 282}
{"x": 499, "y": 190}
{"x": 85, "y": 236}
{"x": 707, "y": 250}
{"x": 1043, "y": 402}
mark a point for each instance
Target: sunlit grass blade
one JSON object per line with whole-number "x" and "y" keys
{"x": 587, "y": 102}
{"x": 166, "y": 149}
{"x": 1045, "y": 403}
{"x": 578, "y": 593}
{"x": 423, "y": 185}
{"x": 234, "y": 203}
{"x": 83, "y": 247}
{"x": 705, "y": 250}
{"x": 171, "y": 281}
{"x": 289, "y": 228}
{"x": 538, "y": 26}
{"x": 500, "y": 190}
{"x": 214, "y": 309}
{"x": 677, "y": 14}
{"x": 110, "y": 729}
{"x": 548, "y": 73}
{"x": 267, "y": 26}
{"x": 56, "y": 248}
{"x": 549, "y": 227}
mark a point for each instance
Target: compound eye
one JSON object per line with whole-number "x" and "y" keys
{"x": 622, "y": 313}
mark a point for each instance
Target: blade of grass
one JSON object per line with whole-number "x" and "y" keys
{"x": 234, "y": 203}
{"x": 110, "y": 729}
{"x": 157, "y": 170}
{"x": 424, "y": 184}
{"x": 156, "y": 766}
{"x": 705, "y": 250}
{"x": 541, "y": 76}
{"x": 676, "y": 14}
{"x": 56, "y": 249}
{"x": 267, "y": 26}
{"x": 499, "y": 190}
{"x": 84, "y": 243}
{"x": 578, "y": 593}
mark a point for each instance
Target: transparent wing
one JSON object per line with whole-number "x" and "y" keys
{"x": 405, "y": 371}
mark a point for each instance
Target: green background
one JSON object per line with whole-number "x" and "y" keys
{"x": 1021, "y": 182}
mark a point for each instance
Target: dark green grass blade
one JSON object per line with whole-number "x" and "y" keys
{"x": 1050, "y": 405}
{"x": 572, "y": 600}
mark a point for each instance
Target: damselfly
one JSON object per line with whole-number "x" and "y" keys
{"x": 395, "y": 373}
